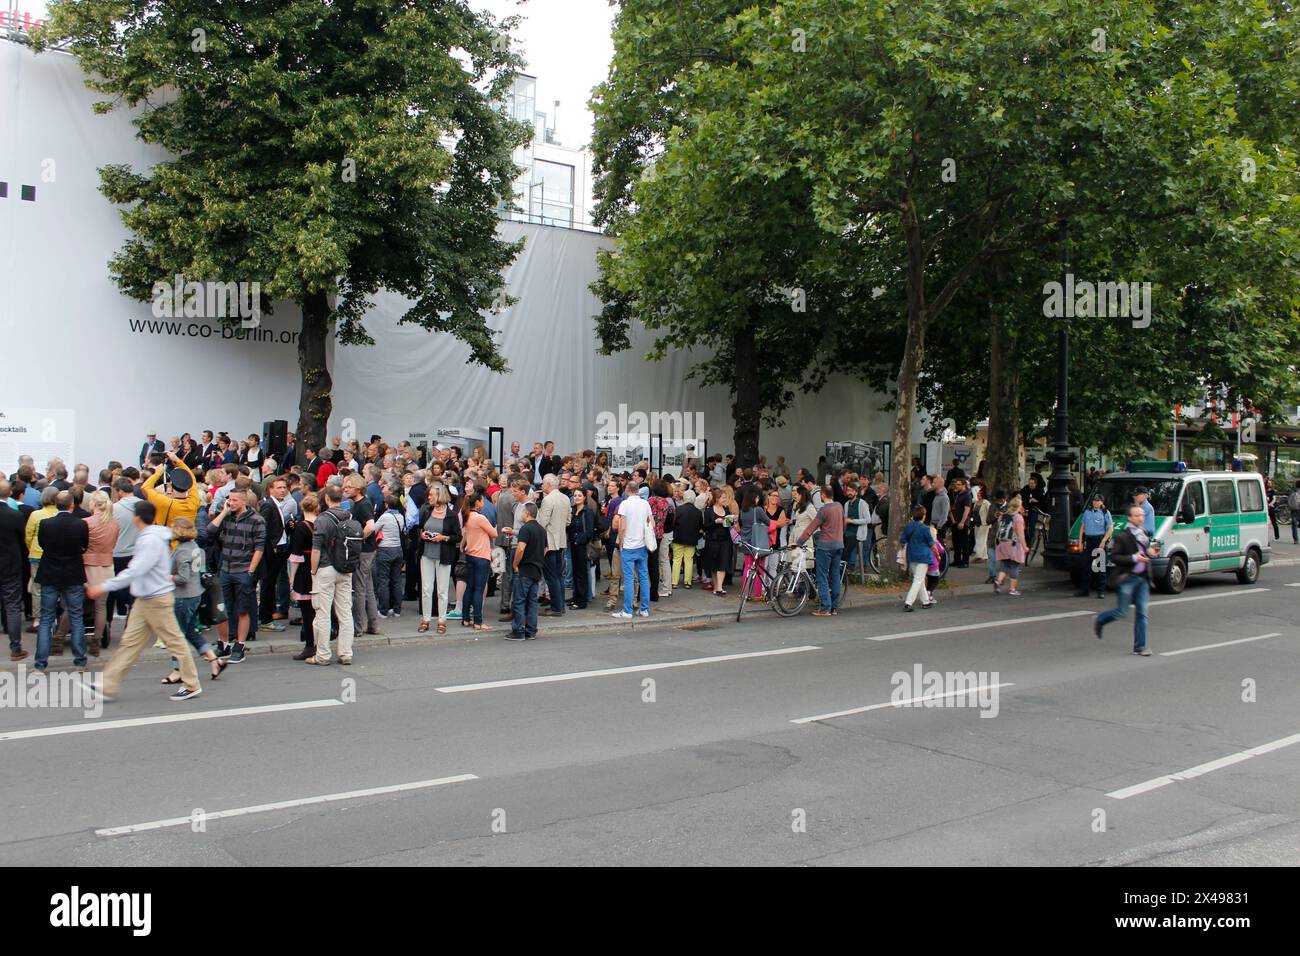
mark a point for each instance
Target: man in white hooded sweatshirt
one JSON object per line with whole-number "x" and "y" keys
{"x": 149, "y": 576}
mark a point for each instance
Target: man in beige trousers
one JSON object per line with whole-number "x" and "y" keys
{"x": 149, "y": 576}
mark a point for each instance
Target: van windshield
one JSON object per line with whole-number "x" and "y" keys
{"x": 1118, "y": 493}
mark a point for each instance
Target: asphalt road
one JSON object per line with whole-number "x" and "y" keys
{"x": 733, "y": 760}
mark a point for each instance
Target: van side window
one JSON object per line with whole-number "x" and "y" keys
{"x": 1195, "y": 497}
{"x": 1223, "y": 501}
{"x": 1252, "y": 496}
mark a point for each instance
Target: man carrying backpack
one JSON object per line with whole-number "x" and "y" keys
{"x": 335, "y": 555}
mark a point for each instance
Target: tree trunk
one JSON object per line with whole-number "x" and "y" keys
{"x": 909, "y": 373}
{"x": 746, "y": 410}
{"x": 315, "y": 400}
{"x": 1002, "y": 458}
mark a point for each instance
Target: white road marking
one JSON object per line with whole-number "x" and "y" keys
{"x": 90, "y": 725}
{"x": 1204, "y": 768}
{"x": 1052, "y": 617}
{"x": 1294, "y": 584}
{"x": 900, "y": 703}
{"x": 609, "y": 671}
{"x": 283, "y": 805}
{"x": 1206, "y": 647}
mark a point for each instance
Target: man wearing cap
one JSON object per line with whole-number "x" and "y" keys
{"x": 1095, "y": 529}
{"x": 182, "y": 501}
{"x": 152, "y": 446}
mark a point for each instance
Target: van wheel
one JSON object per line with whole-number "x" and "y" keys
{"x": 1249, "y": 572}
{"x": 1176, "y": 576}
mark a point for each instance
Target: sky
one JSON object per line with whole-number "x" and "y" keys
{"x": 565, "y": 42}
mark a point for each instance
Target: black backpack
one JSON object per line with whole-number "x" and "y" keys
{"x": 344, "y": 542}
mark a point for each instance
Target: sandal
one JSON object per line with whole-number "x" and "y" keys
{"x": 482, "y": 627}
{"x": 424, "y": 626}
{"x": 218, "y": 666}
{"x": 442, "y": 627}
{"x": 172, "y": 678}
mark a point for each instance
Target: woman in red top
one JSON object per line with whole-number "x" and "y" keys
{"x": 477, "y": 545}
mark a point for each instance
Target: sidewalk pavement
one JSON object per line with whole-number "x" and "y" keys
{"x": 685, "y": 607}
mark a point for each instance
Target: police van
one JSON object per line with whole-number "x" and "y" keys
{"x": 1206, "y": 521}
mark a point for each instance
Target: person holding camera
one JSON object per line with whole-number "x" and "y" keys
{"x": 1131, "y": 577}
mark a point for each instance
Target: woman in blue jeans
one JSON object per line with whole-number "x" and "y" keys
{"x": 478, "y": 535}
{"x": 1131, "y": 556}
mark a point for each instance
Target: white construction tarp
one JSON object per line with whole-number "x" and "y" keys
{"x": 73, "y": 342}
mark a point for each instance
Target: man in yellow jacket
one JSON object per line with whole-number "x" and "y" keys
{"x": 181, "y": 500}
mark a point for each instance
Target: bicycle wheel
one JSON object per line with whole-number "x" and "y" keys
{"x": 746, "y": 581}
{"x": 790, "y": 592}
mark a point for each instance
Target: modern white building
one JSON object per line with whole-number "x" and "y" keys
{"x": 555, "y": 187}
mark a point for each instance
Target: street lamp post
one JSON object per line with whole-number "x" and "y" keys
{"x": 1058, "y": 485}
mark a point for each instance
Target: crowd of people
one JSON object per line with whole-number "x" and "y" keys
{"x": 203, "y": 543}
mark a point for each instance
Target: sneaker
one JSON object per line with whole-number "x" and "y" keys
{"x": 1143, "y": 653}
{"x": 929, "y": 604}
{"x": 237, "y": 653}
{"x": 512, "y": 636}
{"x": 530, "y": 637}
{"x": 274, "y": 626}
{"x": 997, "y": 588}
{"x": 1096, "y": 627}
{"x": 186, "y": 694}
{"x": 18, "y": 655}
{"x": 642, "y": 613}
{"x": 622, "y": 615}
{"x": 453, "y": 615}
{"x": 908, "y": 607}
{"x": 1014, "y": 593}
{"x": 224, "y": 649}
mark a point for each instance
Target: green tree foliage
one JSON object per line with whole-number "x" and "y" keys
{"x": 713, "y": 252}
{"x": 324, "y": 150}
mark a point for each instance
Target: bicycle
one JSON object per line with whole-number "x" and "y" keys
{"x": 874, "y": 559}
{"x": 1040, "y": 537}
{"x": 787, "y": 590}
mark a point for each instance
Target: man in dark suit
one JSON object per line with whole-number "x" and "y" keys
{"x": 152, "y": 445}
{"x": 12, "y": 559}
{"x": 290, "y": 454}
{"x": 550, "y": 460}
{"x": 207, "y": 445}
{"x": 62, "y": 576}
{"x": 313, "y": 462}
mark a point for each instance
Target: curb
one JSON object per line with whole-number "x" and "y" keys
{"x": 601, "y": 623}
